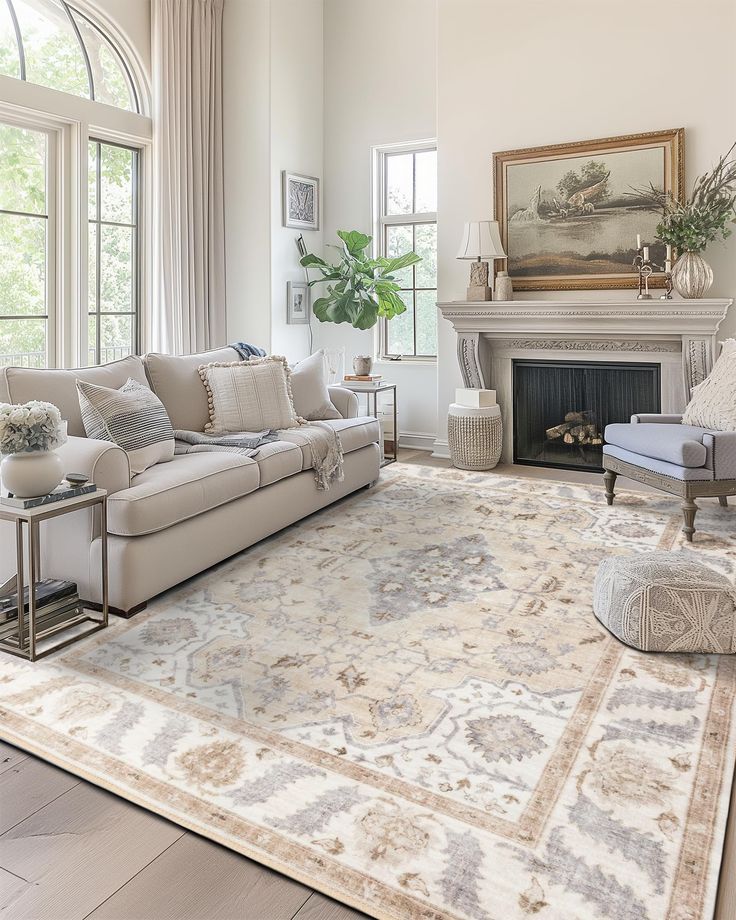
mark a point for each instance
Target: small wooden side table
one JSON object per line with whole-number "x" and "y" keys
{"x": 358, "y": 388}
{"x": 23, "y": 642}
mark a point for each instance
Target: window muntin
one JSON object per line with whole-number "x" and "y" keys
{"x": 407, "y": 219}
{"x": 113, "y": 235}
{"x": 51, "y": 43}
{"x": 26, "y": 279}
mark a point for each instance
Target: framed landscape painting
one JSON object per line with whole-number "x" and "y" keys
{"x": 569, "y": 214}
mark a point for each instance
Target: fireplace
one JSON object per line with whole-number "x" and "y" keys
{"x": 561, "y": 408}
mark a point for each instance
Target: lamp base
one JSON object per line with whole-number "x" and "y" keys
{"x": 478, "y": 292}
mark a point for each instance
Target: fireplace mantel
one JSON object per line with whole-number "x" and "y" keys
{"x": 634, "y": 326}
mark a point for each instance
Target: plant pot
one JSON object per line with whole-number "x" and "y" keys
{"x": 31, "y": 473}
{"x": 691, "y": 275}
{"x": 362, "y": 365}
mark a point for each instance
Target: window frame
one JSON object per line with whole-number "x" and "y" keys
{"x": 75, "y": 120}
{"x": 382, "y": 221}
{"x": 136, "y": 249}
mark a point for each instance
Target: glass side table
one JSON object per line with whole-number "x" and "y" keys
{"x": 373, "y": 391}
{"x": 24, "y": 640}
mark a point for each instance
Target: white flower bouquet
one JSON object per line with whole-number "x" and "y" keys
{"x": 34, "y": 426}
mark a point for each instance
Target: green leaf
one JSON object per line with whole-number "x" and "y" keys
{"x": 355, "y": 241}
{"x": 311, "y": 259}
{"x": 394, "y": 265}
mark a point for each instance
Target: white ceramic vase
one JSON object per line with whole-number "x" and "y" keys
{"x": 691, "y": 275}
{"x": 31, "y": 473}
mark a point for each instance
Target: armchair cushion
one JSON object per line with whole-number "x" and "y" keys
{"x": 681, "y": 445}
{"x": 682, "y": 473}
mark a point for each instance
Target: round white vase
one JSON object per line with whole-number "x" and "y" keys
{"x": 31, "y": 473}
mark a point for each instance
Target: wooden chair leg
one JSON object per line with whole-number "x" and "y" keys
{"x": 689, "y": 510}
{"x": 609, "y": 479}
{"x": 723, "y": 501}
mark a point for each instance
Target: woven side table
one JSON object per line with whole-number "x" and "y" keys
{"x": 475, "y": 437}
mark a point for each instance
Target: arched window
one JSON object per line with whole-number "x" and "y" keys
{"x": 52, "y": 43}
{"x": 73, "y": 170}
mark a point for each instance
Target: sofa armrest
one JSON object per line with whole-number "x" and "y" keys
{"x": 649, "y": 418}
{"x": 105, "y": 463}
{"x": 345, "y": 401}
{"x": 721, "y": 448}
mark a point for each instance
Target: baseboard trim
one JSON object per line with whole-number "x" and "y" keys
{"x": 416, "y": 441}
{"x": 441, "y": 448}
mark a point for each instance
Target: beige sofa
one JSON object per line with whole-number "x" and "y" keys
{"x": 177, "y": 518}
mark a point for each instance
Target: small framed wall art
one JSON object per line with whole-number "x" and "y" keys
{"x": 297, "y": 302}
{"x": 300, "y": 196}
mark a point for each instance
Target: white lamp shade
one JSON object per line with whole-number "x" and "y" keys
{"x": 481, "y": 240}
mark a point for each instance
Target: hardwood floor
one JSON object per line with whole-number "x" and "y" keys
{"x": 71, "y": 851}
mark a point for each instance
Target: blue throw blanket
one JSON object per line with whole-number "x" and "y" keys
{"x": 246, "y": 350}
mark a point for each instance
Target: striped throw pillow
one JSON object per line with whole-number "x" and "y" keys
{"x": 249, "y": 395}
{"x": 132, "y": 417}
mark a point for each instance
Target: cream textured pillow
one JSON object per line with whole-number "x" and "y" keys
{"x": 132, "y": 417}
{"x": 713, "y": 402}
{"x": 309, "y": 386}
{"x": 248, "y": 395}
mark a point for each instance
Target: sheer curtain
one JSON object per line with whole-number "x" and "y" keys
{"x": 189, "y": 246}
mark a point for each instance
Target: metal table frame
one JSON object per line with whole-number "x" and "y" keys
{"x": 374, "y": 391}
{"x": 32, "y": 517}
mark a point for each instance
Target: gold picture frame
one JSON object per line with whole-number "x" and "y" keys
{"x": 569, "y": 215}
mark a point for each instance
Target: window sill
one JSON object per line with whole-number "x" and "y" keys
{"x": 406, "y": 362}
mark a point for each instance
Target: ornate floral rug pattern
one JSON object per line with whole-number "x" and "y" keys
{"x": 406, "y": 703}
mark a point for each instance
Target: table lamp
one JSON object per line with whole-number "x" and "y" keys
{"x": 481, "y": 240}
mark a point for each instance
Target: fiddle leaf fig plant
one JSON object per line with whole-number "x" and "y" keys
{"x": 359, "y": 289}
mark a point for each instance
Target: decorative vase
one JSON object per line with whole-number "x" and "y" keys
{"x": 335, "y": 360}
{"x": 362, "y": 365}
{"x": 503, "y": 288}
{"x": 31, "y": 473}
{"x": 691, "y": 275}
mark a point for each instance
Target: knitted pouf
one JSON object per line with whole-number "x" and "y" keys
{"x": 664, "y": 602}
{"x": 475, "y": 437}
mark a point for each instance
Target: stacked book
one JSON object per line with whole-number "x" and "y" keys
{"x": 364, "y": 381}
{"x": 57, "y": 606}
{"x": 57, "y": 495}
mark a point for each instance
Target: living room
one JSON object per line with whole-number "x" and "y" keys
{"x": 368, "y": 460}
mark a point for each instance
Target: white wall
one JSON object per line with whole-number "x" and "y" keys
{"x": 380, "y": 88}
{"x": 537, "y": 72}
{"x": 297, "y": 89}
{"x": 272, "y": 113}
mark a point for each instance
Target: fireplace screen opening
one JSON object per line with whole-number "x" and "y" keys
{"x": 561, "y": 408}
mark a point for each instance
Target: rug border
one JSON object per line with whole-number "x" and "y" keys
{"x": 58, "y": 760}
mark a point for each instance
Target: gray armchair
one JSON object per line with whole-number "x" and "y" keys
{"x": 680, "y": 459}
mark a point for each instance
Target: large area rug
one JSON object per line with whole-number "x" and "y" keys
{"x": 406, "y": 703}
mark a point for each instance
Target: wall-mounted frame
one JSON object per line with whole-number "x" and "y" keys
{"x": 569, "y": 214}
{"x": 300, "y": 201}
{"x": 297, "y": 302}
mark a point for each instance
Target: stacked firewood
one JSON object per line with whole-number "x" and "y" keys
{"x": 578, "y": 428}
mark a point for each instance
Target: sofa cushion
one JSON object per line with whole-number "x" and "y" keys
{"x": 713, "y": 402}
{"x": 132, "y": 417}
{"x": 21, "y": 384}
{"x": 175, "y": 380}
{"x": 309, "y": 388}
{"x": 354, "y": 433}
{"x": 678, "y": 444}
{"x": 171, "y": 492}
{"x": 277, "y": 460}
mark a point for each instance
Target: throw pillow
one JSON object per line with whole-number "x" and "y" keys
{"x": 249, "y": 395}
{"x": 132, "y": 417}
{"x": 309, "y": 386}
{"x": 713, "y": 402}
